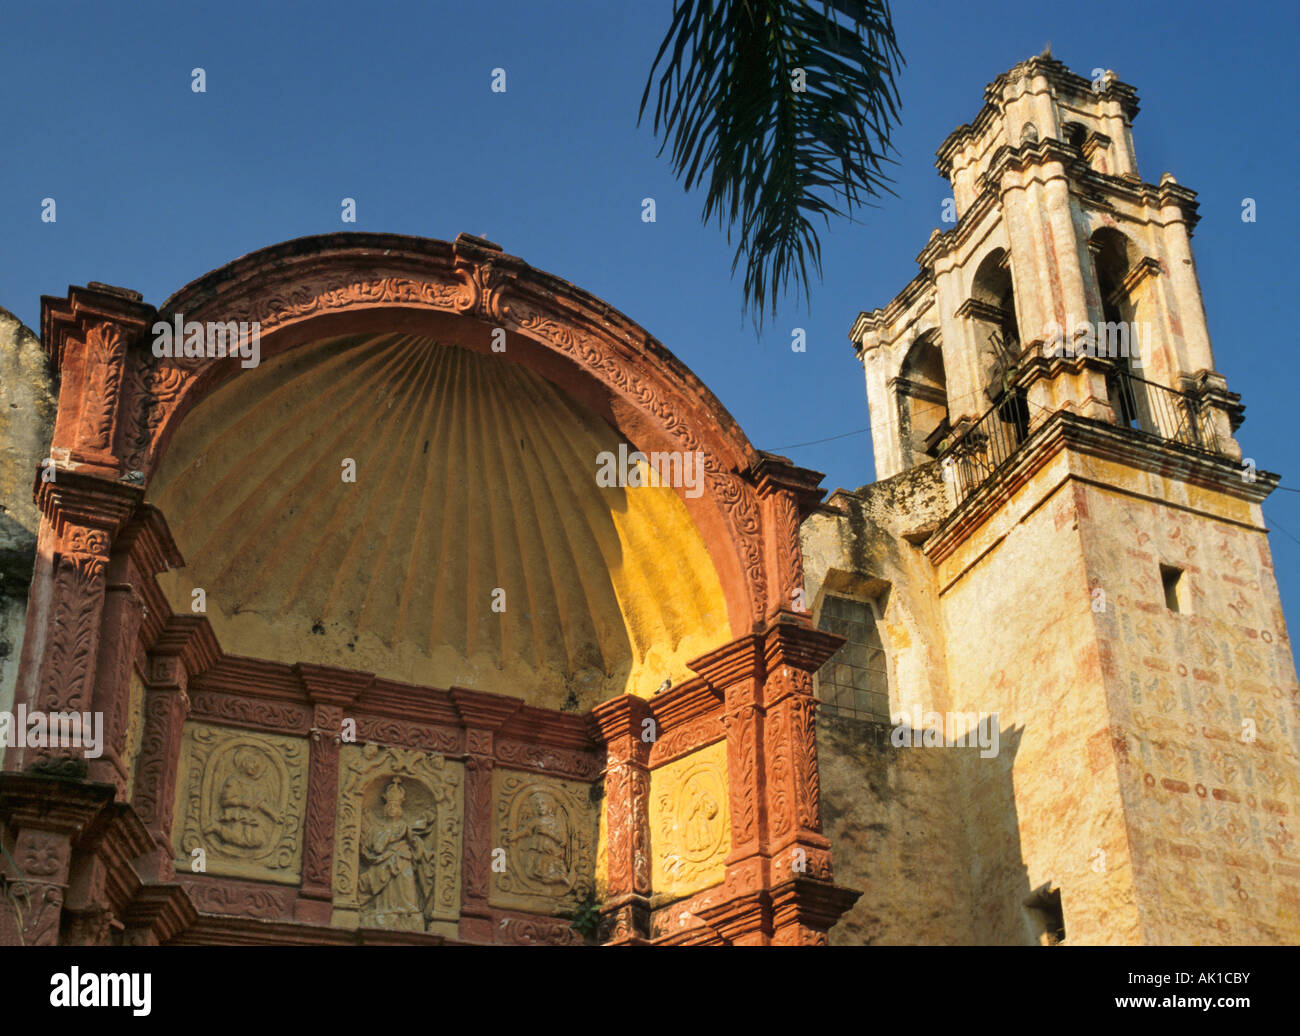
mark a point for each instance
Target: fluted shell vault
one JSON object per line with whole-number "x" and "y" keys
{"x": 473, "y": 475}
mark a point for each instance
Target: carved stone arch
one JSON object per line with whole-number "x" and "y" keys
{"x": 353, "y": 283}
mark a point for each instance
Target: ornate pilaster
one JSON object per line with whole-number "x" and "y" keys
{"x": 804, "y": 901}
{"x": 84, "y": 503}
{"x": 792, "y": 653}
{"x": 624, "y": 730}
{"x": 775, "y": 793}
{"x": 332, "y": 693}
{"x": 81, "y": 515}
{"x": 787, "y": 494}
{"x": 142, "y": 550}
{"x": 186, "y": 647}
{"x": 736, "y": 671}
{"x": 482, "y": 718}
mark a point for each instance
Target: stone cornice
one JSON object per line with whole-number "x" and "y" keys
{"x": 1142, "y": 269}
{"x": 190, "y": 638}
{"x": 150, "y": 542}
{"x": 84, "y": 499}
{"x": 65, "y": 320}
{"x": 878, "y": 319}
{"x": 1068, "y": 431}
{"x": 978, "y": 310}
{"x": 1059, "y": 77}
{"x": 1211, "y": 387}
{"x": 216, "y": 930}
{"x": 326, "y": 685}
{"x": 50, "y": 803}
{"x": 741, "y": 659}
{"x": 163, "y": 910}
{"x": 1096, "y": 141}
{"x": 918, "y": 390}
{"x": 799, "y": 645}
{"x": 774, "y": 474}
{"x": 620, "y": 717}
{"x": 690, "y": 700}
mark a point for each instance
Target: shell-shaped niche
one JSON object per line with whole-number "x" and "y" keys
{"x": 431, "y": 514}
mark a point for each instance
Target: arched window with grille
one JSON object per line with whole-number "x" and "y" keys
{"x": 855, "y": 681}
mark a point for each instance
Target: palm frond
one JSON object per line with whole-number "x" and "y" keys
{"x": 774, "y": 160}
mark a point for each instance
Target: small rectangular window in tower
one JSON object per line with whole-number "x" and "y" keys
{"x": 1172, "y": 578}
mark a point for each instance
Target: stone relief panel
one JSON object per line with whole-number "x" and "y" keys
{"x": 397, "y": 839}
{"x": 239, "y": 798}
{"x": 544, "y": 843}
{"x": 690, "y": 826}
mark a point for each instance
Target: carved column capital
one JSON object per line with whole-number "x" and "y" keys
{"x": 803, "y": 910}
{"x": 91, "y": 336}
{"x": 787, "y": 494}
{"x": 47, "y": 816}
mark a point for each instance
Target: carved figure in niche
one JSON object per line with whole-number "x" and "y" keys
{"x": 247, "y": 817}
{"x": 543, "y": 840}
{"x": 396, "y": 885}
{"x": 701, "y": 811}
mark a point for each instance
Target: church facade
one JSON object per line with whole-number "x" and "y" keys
{"x": 373, "y": 589}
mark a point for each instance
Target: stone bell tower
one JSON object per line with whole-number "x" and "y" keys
{"x": 1077, "y": 543}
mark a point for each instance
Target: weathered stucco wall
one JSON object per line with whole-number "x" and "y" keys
{"x": 895, "y": 836}
{"x": 888, "y": 810}
{"x": 27, "y": 398}
{"x": 1047, "y": 809}
{"x": 1205, "y": 712}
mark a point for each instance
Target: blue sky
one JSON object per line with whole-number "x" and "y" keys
{"x": 390, "y": 104}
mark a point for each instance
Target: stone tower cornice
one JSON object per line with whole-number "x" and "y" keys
{"x": 1064, "y": 83}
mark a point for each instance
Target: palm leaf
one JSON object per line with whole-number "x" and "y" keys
{"x": 773, "y": 160}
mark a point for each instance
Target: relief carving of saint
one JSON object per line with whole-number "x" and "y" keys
{"x": 543, "y": 844}
{"x": 397, "y": 867}
{"x": 702, "y": 809}
{"x": 248, "y": 817}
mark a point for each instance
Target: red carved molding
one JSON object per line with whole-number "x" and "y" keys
{"x": 789, "y": 494}
{"x": 90, "y": 337}
{"x": 423, "y": 736}
{"x": 624, "y": 726}
{"x": 236, "y": 898}
{"x": 252, "y": 713}
{"x": 522, "y": 755}
{"x": 533, "y": 930}
{"x": 322, "y": 792}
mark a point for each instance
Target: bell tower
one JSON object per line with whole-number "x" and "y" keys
{"x": 1096, "y": 567}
